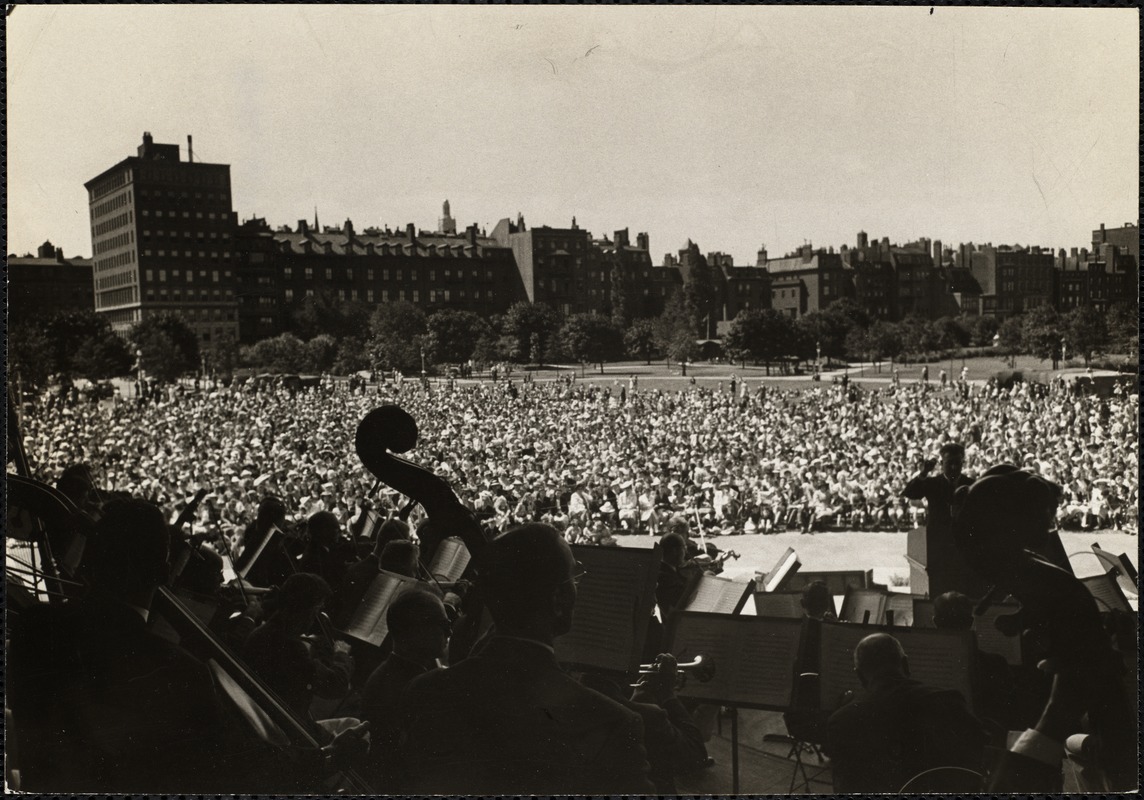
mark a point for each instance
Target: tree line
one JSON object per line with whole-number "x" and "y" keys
{"x": 341, "y": 337}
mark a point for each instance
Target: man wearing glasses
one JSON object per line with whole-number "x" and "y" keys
{"x": 508, "y": 720}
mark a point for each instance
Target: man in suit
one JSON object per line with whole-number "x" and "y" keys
{"x": 947, "y": 568}
{"x": 508, "y": 720}
{"x": 896, "y": 728}
{"x": 419, "y": 628}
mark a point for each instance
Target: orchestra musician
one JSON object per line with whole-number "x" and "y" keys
{"x": 419, "y": 628}
{"x": 100, "y": 703}
{"x": 275, "y": 563}
{"x": 296, "y": 668}
{"x": 507, "y": 719}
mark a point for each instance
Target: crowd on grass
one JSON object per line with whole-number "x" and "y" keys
{"x": 597, "y": 461}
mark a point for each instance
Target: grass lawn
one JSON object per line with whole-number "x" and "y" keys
{"x": 659, "y": 375}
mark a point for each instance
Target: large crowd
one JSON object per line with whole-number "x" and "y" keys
{"x": 102, "y": 698}
{"x": 595, "y": 460}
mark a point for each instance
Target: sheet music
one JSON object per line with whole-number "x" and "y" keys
{"x": 754, "y": 657}
{"x": 613, "y": 605}
{"x": 902, "y": 606}
{"x": 836, "y": 661}
{"x": 991, "y": 640}
{"x": 719, "y": 595}
{"x": 1107, "y": 592}
{"x": 858, "y": 603}
{"x": 779, "y": 604}
{"x": 368, "y": 623}
{"x": 938, "y": 658}
{"x": 450, "y": 560}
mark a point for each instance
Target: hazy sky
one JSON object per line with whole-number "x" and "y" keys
{"x": 731, "y": 126}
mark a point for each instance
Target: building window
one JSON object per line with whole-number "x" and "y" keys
{"x": 287, "y": 273}
{"x": 369, "y": 274}
{"x": 416, "y": 295}
{"x": 309, "y": 273}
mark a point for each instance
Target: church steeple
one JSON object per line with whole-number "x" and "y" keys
{"x": 447, "y": 224}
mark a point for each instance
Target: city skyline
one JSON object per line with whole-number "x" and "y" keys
{"x": 730, "y": 126}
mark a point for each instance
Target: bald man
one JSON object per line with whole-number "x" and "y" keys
{"x": 507, "y": 719}
{"x": 896, "y": 728}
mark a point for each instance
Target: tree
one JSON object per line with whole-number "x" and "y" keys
{"x": 319, "y": 353}
{"x": 1085, "y": 332}
{"x": 456, "y": 334}
{"x": 531, "y": 327}
{"x": 221, "y": 356}
{"x": 1041, "y": 333}
{"x": 951, "y": 333}
{"x": 591, "y": 338}
{"x": 640, "y": 340}
{"x": 352, "y": 356}
{"x": 100, "y": 357}
{"x": 699, "y": 292}
{"x": 169, "y": 347}
{"x": 283, "y": 353}
{"x": 675, "y": 330}
{"x": 982, "y": 330}
{"x": 917, "y": 334}
{"x": 89, "y": 336}
{"x": 826, "y": 333}
{"x": 395, "y": 343}
{"x": 29, "y": 355}
{"x": 325, "y": 313}
{"x": 884, "y": 340}
{"x": 761, "y": 336}
{"x": 1124, "y": 329}
{"x": 1009, "y": 334}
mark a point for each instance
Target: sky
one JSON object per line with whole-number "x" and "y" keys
{"x": 732, "y": 126}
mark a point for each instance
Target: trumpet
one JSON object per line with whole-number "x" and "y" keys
{"x": 702, "y": 668}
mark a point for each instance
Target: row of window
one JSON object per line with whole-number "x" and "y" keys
{"x": 183, "y": 195}
{"x": 385, "y": 295}
{"x": 117, "y": 297}
{"x": 183, "y": 175}
{"x": 214, "y": 256}
{"x": 160, "y": 213}
{"x": 348, "y": 274}
{"x": 125, "y": 278}
{"x": 189, "y": 274}
{"x": 164, "y": 295}
{"x": 115, "y": 242}
{"x": 199, "y": 236}
{"x": 112, "y": 224}
{"x": 108, "y": 184}
{"x": 118, "y": 260}
{"x": 119, "y": 201}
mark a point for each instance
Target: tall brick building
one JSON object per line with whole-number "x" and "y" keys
{"x": 162, "y": 240}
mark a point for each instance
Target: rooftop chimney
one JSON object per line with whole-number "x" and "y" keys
{"x": 190, "y": 149}
{"x": 411, "y": 232}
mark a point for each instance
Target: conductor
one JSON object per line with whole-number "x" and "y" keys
{"x": 947, "y": 568}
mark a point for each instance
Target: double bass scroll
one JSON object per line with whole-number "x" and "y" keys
{"x": 388, "y": 430}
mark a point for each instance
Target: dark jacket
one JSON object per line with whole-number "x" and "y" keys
{"x": 508, "y": 720}
{"x": 895, "y": 730}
